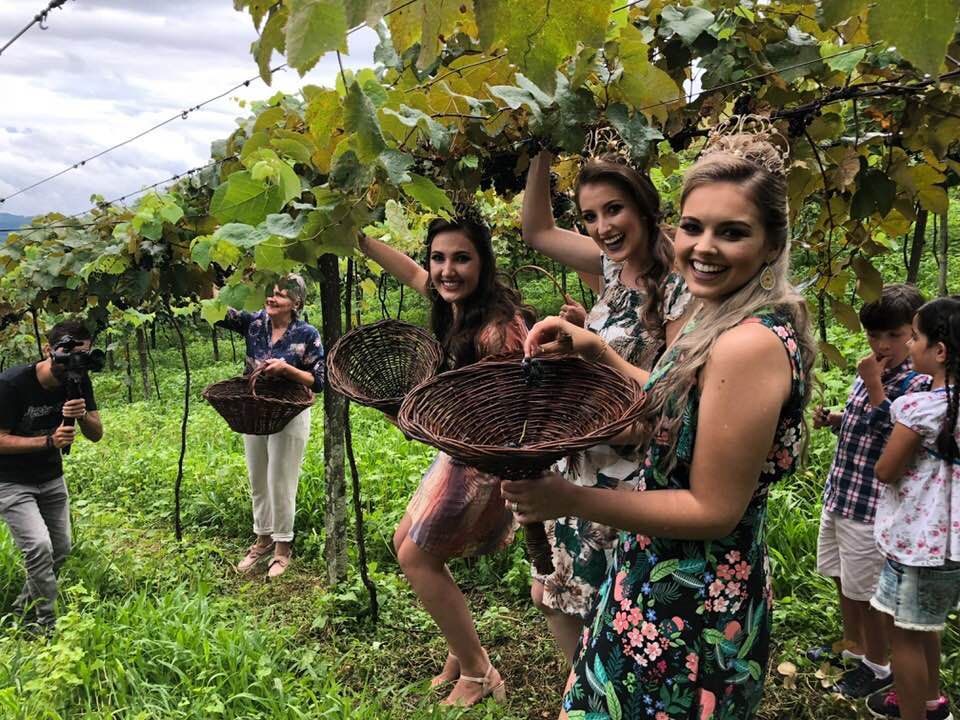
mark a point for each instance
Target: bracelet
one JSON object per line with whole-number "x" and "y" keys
{"x": 49, "y": 442}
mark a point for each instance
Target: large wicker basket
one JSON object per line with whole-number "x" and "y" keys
{"x": 258, "y": 404}
{"x": 489, "y": 416}
{"x": 378, "y": 364}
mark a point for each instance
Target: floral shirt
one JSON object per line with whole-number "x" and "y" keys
{"x": 681, "y": 628}
{"x": 918, "y": 520}
{"x": 300, "y": 344}
{"x": 582, "y": 550}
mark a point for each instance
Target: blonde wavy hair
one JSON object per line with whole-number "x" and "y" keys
{"x": 767, "y": 190}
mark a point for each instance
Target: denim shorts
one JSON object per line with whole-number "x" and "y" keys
{"x": 918, "y": 598}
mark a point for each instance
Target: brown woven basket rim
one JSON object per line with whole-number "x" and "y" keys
{"x": 409, "y": 424}
{"x": 333, "y": 376}
{"x": 209, "y": 391}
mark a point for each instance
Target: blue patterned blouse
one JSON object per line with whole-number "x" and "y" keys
{"x": 300, "y": 345}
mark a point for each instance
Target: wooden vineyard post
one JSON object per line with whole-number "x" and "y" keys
{"x": 916, "y": 247}
{"x": 355, "y": 475}
{"x": 129, "y": 380}
{"x": 334, "y": 404}
{"x": 216, "y": 343}
{"x": 144, "y": 365}
{"x": 943, "y": 252}
{"x": 36, "y": 333}
{"x": 177, "y": 524}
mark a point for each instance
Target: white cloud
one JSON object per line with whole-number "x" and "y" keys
{"x": 106, "y": 70}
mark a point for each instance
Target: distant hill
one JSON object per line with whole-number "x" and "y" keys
{"x": 11, "y": 221}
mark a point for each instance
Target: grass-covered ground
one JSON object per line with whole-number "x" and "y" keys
{"x": 152, "y": 628}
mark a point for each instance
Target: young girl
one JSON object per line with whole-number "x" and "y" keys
{"x": 918, "y": 519}
{"x": 641, "y": 302}
{"x": 457, "y": 511}
{"x": 681, "y": 626}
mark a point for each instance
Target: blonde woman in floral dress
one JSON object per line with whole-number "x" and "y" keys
{"x": 641, "y": 301}
{"x": 681, "y": 627}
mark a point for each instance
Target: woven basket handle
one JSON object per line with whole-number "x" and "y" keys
{"x": 258, "y": 371}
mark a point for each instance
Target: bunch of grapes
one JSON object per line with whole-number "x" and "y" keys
{"x": 532, "y": 371}
{"x": 798, "y": 124}
{"x": 500, "y": 172}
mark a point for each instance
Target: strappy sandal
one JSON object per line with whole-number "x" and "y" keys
{"x": 255, "y": 553}
{"x": 442, "y": 678}
{"x": 278, "y": 566}
{"x": 488, "y": 689}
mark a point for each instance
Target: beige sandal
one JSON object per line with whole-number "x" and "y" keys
{"x": 445, "y": 678}
{"x": 255, "y": 553}
{"x": 278, "y": 566}
{"x": 488, "y": 689}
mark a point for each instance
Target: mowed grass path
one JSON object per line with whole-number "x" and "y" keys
{"x": 155, "y": 629}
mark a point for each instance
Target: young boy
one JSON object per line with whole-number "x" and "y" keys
{"x": 846, "y": 549}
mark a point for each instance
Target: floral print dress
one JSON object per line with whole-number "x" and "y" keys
{"x": 582, "y": 550}
{"x": 681, "y": 628}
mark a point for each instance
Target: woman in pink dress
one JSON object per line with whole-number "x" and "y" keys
{"x": 457, "y": 511}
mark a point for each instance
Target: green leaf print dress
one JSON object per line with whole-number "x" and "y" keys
{"x": 583, "y": 550}
{"x": 680, "y": 628}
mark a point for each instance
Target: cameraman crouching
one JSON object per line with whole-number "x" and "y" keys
{"x": 36, "y": 423}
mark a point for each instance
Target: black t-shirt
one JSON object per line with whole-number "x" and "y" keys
{"x": 28, "y": 409}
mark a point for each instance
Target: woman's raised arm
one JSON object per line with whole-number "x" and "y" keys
{"x": 404, "y": 268}
{"x": 540, "y": 231}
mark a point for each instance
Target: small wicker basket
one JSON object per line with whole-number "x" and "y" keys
{"x": 488, "y": 416}
{"x": 378, "y": 364}
{"x": 258, "y": 404}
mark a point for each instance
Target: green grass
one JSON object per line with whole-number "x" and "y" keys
{"x": 155, "y": 629}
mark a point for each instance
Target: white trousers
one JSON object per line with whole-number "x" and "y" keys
{"x": 273, "y": 463}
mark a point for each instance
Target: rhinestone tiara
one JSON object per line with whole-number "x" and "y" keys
{"x": 752, "y": 137}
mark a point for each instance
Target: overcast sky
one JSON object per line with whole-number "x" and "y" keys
{"x": 108, "y": 69}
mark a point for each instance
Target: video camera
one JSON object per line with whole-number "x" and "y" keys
{"x": 75, "y": 364}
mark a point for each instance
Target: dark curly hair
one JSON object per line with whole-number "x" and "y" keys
{"x": 492, "y": 302}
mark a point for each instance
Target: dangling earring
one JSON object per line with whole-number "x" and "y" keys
{"x": 767, "y": 279}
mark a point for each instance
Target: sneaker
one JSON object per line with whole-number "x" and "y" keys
{"x": 860, "y": 682}
{"x": 885, "y": 704}
{"x": 255, "y": 553}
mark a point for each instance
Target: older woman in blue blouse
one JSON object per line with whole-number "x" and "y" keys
{"x": 283, "y": 346}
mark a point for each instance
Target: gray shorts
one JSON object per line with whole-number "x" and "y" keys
{"x": 918, "y": 598}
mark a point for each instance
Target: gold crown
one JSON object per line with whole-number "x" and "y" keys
{"x": 752, "y": 137}
{"x": 603, "y": 141}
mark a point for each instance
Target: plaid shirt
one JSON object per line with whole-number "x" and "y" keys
{"x": 852, "y": 491}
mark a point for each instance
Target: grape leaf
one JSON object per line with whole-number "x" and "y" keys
{"x": 836, "y": 11}
{"x": 243, "y": 199}
{"x": 314, "y": 28}
{"x": 643, "y": 85}
{"x": 639, "y": 137}
{"x": 427, "y": 194}
{"x": 360, "y": 118}
{"x": 921, "y": 30}
{"x": 540, "y": 34}
{"x": 686, "y": 22}
{"x": 213, "y": 310}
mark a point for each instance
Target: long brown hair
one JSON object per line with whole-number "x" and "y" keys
{"x": 639, "y": 188}
{"x": 492, "y": 302}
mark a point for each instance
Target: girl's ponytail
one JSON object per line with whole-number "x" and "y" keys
{"x": 947, "y": 440}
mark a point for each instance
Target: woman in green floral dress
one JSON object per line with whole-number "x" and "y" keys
{"x": 641, "y": 301}
{"x": 682, "y": 623}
